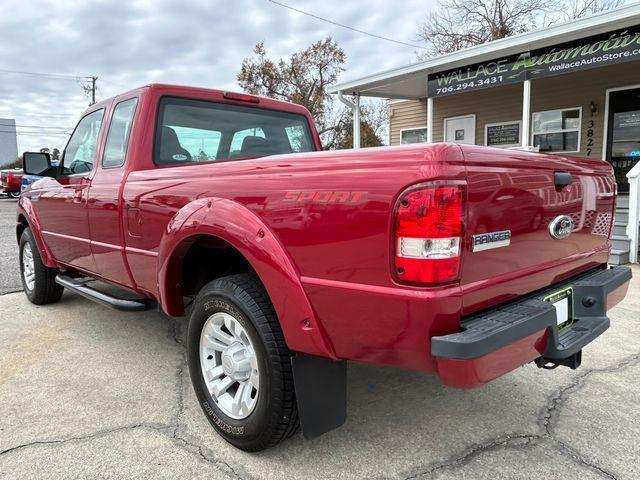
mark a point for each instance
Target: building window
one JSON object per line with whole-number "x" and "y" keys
{"x": 557, "y": 130}
{"x": 413, "y": 135}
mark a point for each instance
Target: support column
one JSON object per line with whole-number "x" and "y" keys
{"x": 526, "y": 113}
{"x": 634, "y": 212}
{"x": 355, "y": 116}
{"x": 430, "y": 120}
{"x": 356, "y": 121}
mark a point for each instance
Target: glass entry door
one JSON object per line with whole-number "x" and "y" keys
{"x": 623, "y": 142}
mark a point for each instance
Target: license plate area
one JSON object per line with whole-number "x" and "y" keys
{"x": 563, "y": 302}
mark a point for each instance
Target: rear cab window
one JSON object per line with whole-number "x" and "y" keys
{"x": 192, "y": 131}
{"x": 238, "y": 139}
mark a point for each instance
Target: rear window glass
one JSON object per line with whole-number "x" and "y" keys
{"x": 201, "y": 144}
{"x": 238, "y": 138}
{"x": 191, "y": 131}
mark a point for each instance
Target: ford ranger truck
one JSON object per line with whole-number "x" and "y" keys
{"x": 460, "y": 260}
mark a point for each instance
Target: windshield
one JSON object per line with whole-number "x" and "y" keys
{"x": 200, "y": 131}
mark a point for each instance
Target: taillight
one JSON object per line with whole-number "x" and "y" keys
{"x": 428, "y": 234}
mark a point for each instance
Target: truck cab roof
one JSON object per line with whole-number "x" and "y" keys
{"x": 163, "y": 89}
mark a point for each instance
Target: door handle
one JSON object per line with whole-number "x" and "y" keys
{"x": 80, "y": 188}
{"x": 561, "y": 179}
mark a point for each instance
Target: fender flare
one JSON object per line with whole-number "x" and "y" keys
{"x": 25, "y": 209}
{"x": 233, "y": 223}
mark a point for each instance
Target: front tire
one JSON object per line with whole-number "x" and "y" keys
{"x": 239, "y": 364}
{"x": 14, "y": 194}
{"x": 38, "y": 280}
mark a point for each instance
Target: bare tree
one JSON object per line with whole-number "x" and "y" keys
{"x": 303, "y": 78}
{"x": 374, "y": 124}
{"x": 458, "y": 24}
{"x": 583, "y": 8}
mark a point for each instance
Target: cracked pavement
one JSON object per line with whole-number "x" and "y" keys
{"x": 86, "y": 392}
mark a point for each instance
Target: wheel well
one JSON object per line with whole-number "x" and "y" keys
{"x": 21, "y": 227}
{"x": 197, "y": 261}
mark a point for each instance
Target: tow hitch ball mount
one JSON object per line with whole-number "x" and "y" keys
{"x": 572, "y": 361}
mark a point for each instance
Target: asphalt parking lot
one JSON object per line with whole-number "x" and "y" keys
{"x": 9, "y": 276}
{"x": 89, "y": 393}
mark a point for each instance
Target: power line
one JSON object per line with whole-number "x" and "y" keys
{"x": 48, "y": 75}
{"x": 41, "y": 132}
{"x": 51, "y": 115}
{"x": 18, "y": 125}
{"x": 317, "y": 17}
{"x": 89, "y": 89}
{"x": 38, "y": 134}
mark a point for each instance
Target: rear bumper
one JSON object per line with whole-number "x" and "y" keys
{"x": 499, "y": 340}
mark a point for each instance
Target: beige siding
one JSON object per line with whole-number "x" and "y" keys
{"x": 492, "y": 105}
{"x": 502, "y": 104}
{"x": 409, "y": 114}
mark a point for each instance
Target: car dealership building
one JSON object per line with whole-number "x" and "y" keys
{"x": 8, "y": 142}
{"x": 569, "y": 89}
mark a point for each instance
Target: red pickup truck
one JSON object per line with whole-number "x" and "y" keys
{"x": 11, "y": 182}
{"x": 460, "y": 260}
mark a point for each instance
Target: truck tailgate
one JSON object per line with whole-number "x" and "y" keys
{"x": 515, "y": 192}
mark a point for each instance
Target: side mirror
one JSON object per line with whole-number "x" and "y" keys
{"x": 38, "y": 163}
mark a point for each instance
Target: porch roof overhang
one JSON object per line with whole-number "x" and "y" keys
{"x": 410, "y": 81}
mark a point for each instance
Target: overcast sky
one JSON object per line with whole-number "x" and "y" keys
{"x": 132, "y": 43}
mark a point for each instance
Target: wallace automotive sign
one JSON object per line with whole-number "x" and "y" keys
{"x": 616, "y": 47}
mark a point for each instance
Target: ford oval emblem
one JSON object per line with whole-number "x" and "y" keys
{"x": 561, "y": 227}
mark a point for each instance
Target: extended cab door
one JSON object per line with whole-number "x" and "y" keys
{"x": 62, "y": 206}
{"x": 104, "y": 205}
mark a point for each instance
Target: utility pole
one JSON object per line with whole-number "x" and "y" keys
{"x": 91, "y": 89}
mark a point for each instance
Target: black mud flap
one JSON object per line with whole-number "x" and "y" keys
{"x": 321, "y": 393}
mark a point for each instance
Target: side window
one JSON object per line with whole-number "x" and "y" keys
{"x": 81, "y": 150}
{"x": 115, "y": 149}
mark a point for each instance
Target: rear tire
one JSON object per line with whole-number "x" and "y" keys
{"x": 38, "y": 280}
{"x": 14, "y": 194}
{"x": 238, "y": 322}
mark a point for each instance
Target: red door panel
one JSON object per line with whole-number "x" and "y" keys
{"x": 62, "y": 209}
